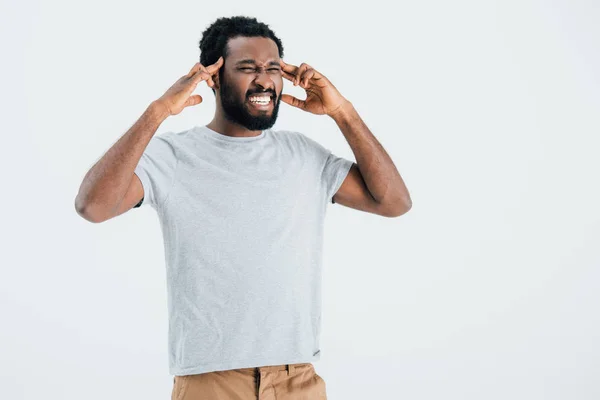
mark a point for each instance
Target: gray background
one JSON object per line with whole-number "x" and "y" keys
{"x": 487, "y": 289}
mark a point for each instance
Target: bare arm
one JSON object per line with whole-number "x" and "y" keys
{"x": 110, "y": 187}
{"x": 106, "y": 183}
{"x": 373, "y": 184}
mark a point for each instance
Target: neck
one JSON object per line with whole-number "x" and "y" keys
{"x": 222, "y": 125}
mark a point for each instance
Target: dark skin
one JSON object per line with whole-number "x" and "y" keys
{"x": 247, "y": 78}
{"x": 373, "y": 183}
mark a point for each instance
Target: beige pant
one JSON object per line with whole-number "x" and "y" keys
{"x": 274, "y": 382}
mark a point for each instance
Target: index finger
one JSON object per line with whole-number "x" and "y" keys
{"x": 290, "y": 68}
{"x": 194, "y": 69}
{"x": 214, "y": 67}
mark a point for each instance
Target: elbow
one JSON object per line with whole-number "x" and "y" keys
{"x": 86, "y": 212}
{"x": 395, "y": 203}
{"x": 397, "y": 208}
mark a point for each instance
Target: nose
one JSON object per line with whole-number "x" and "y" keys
{"x": 263, "y": 80}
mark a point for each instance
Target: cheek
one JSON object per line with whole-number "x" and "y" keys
{"x": 234, "y": 81}
{"x": 278, "y": 83}
{"x": 242, "y": 85}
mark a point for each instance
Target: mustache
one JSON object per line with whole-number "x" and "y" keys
{"x": 272, "y": 94}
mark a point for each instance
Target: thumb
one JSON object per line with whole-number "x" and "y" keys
{"x": 193, "y": 100}
{"x": 291, "y": 100}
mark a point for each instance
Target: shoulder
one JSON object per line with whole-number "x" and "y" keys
{"x": 173, "y": 137}
{"x": 299, "y": 141}
{"x": 168, "y": 143}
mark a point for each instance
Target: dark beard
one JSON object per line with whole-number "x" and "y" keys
{"x": 238, "y": 113}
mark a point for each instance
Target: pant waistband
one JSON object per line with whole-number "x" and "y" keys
{"x": 253, "y": 371}
{"x": 290, "y": 368}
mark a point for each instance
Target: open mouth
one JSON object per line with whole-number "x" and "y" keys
{"x": 261, "y": 102}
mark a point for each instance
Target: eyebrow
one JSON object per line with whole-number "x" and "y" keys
{"x": 251, "y": 61}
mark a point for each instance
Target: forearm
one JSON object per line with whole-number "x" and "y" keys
{"x": 106, "y": 183}
{"x": 376, "y": 167}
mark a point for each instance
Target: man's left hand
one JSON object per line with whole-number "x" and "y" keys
{"x": 321, "y": 96}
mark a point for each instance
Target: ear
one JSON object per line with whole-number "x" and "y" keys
{"x": 215, "y": 78}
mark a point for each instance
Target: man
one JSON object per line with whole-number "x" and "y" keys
{"x": 241, "y": 208}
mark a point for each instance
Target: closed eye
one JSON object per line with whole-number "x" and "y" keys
{"x": 248, "y": 68}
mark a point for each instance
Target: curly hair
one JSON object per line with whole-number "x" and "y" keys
{"x": 213, "y": 43}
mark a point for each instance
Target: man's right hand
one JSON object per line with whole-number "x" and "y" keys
{"x": 178, "y": 96}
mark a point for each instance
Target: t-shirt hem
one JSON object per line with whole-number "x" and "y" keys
{"x": 341, "y": 175}
{"x": 145, "y": 180}
{"x": 235, "y": 364}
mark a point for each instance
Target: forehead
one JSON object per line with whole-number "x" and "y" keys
{"x": 260, "y": 49}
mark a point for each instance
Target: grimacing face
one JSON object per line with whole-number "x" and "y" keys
{"x": 251, "y": 69}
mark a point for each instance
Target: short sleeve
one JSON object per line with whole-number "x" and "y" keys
{"x": 156, "y": 170}
{"x": 334, "y": 172}
{"x": 334, "y": 168}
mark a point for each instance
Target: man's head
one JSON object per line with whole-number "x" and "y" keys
{"x": 251, "y": 54}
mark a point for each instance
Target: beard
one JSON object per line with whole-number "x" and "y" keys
{"x": 239, "y": 112}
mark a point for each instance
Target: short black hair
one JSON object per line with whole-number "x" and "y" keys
{"x": 213, "y": 43}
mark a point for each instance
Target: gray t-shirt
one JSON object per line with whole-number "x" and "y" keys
{"x": 242, "y": 222}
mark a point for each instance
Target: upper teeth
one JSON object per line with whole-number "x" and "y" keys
{"x": 260, "y": 99}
